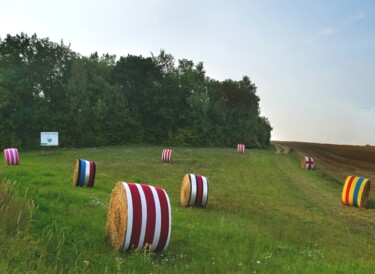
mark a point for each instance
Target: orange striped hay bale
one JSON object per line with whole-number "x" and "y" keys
{"x": 166, "y": 155}
{"x": 194, "y": 190}
{"x": 11, "y": 156}
{"x": 355, "y": 191}
{"x": 308, "y": 163}
{"x": 84, "y": 173}
{"x": 241, "y": 148}
{"x": 139, "y": 217}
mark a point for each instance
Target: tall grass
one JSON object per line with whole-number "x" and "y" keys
{"x": 264, "y": 215}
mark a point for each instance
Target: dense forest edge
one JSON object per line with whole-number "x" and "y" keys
{"x": 98, "y": 101}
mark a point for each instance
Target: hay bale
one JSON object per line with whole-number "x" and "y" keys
{"x": 241, "y": 148}
{"x": 166, "y": 155}
{"x": 11, "y": 156}
{"x": 139, "y": 216}
{"x": 194, "y": 190}
{"x": 84, "y": 173}
{"x": 308, "y": 163}
{"x": 355, "y": 191}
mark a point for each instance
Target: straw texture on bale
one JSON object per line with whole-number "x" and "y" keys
{"x": 308, "y": 163}
{"x": 84, "y": 173}
{"x": 194, "y": 190}
{"x": 11, "y": 156}
{"x": 241, "y": 148}
{"x": 166, "y": 156}
{"x": 355, "y": 191}
{"x": 139, "y": 216}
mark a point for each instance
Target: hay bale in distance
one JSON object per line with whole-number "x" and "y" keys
{"x": 194, "y": 190}
{"x": 308, "y": 163}
{"x": 166, "y": 155}
{"x": 139, "y": 216}
{"x": 355, "y": 191}
{"x": 241, "y": 148}
{"x": 84, "y": 173}
{"x": 11, "y": 156}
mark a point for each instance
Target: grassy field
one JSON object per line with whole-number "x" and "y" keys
{"x": 264, "y": 215}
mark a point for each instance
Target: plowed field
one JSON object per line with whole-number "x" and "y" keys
{"x": 339, "y": 161}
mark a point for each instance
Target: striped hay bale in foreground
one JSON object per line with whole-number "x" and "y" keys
{"x": 84, "y": 173}
{"x": 139, "y": 216}
{"x": 194, "y": 190}
{"x": 308, "y": 163}
{"x": 355, "y": 191}
{"x": 241, "y": 148}
{"x": 11, "y": 156}
{"x": 166, "y": 156}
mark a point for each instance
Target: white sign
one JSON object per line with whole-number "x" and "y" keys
{"x": 49, "y": 138}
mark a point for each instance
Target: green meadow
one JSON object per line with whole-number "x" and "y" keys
{"x": 264, "y": 215}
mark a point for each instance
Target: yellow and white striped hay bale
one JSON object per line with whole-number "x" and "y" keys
{"x": 355, "y": 191}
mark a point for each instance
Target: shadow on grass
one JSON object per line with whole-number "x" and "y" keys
{"x": 370, "y": 204}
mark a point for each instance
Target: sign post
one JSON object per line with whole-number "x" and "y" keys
{"x": 49, "y": 139}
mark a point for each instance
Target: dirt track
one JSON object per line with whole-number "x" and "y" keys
{"x": 338, "y": 160}
{"x": 281, "y": 148}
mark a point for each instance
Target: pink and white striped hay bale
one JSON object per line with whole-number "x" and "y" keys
{"x": 166, "y": 156}
{"x": 11, "y": 156}
{"x": 139, "y": 217}
{"x": 241, "y": 148}
{"x": 194, "y": 190}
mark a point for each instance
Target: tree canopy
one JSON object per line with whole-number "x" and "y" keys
{"x": 93, "y": 101}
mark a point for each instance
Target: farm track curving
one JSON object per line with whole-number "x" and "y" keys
{"x": 280, "y": 148}
{"x": 339, "y": 161}
{"x": 327, "y": 198}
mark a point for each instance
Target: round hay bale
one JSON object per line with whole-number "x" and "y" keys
{"x": 241, "y": 148}
{"x": 308, "y": 163}
{"x": 194, "y": 190}
{"x": 139, "y": 216}
{"x": 11, "y": 156}
{"x": 355, "y": 191}
{"x": 166, "y": 156}
{"x": 84, "y": 173}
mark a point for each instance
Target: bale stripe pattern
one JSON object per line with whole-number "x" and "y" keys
{"x": 166, "y": 156}
{"x": 84, "y": 173}
{"x": 11, "y": 156}
{"x": 355, "y": 191}
{"x": 308, "y": 163}
{"x": 145, "y": 214}
{"x": 241, "y": 148}
{"x": 194, "y": 190}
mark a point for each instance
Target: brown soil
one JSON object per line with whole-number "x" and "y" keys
{"x": 339, "y": 161}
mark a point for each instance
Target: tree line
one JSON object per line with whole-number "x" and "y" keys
{"x": 104, "y": 100}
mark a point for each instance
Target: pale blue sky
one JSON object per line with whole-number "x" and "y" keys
{"x": 312, "y": 61}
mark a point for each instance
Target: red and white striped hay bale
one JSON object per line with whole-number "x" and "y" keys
{"x": 194, "y": 190}
{"x": 139, "y": 217}
{"x": 241, "y": 148}
{"x": 166, "y": 156}
{"x": 11, "y": 156}
{"x": 84, "y": 173}
{"x": 308, "y": 163}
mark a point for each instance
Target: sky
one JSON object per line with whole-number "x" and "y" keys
{"x": 313, "y": 61}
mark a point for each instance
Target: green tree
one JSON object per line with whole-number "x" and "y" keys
{"x": 44, "y": 86}
{"x": 32, "y": 72}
